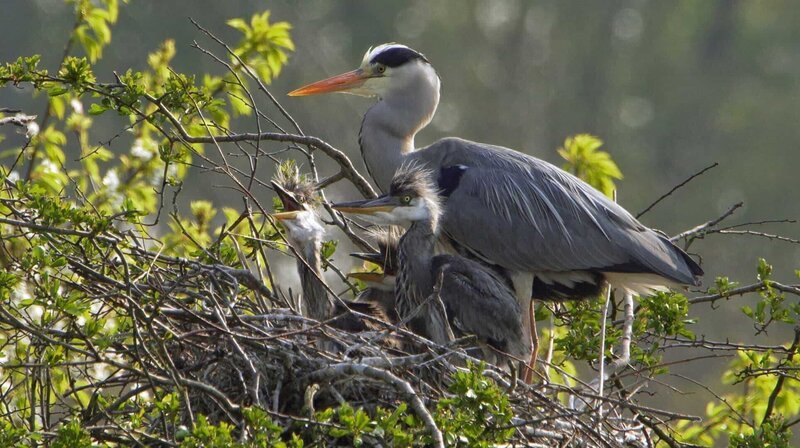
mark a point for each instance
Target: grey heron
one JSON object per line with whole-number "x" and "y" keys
{"x": 476, "y": 299}
{"x": 551, "y": 232}
{"x": 304, "y": 231}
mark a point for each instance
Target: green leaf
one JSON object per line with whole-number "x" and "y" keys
{"x": 96, "y": 109}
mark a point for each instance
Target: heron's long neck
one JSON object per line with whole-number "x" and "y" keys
{"x": 415, "y": 278}
{"x": 388, "y": 130}
{"x": 416, "y": 282}
{"x": 316, "y": 303}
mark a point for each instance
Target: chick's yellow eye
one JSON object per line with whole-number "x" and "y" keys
{"x": 406, "y": 199}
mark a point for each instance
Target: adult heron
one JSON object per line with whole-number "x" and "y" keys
{"x": 477, "y": 301}
{"x": 553, "y": 233}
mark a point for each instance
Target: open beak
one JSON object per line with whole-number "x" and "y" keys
{"x": 289, "y": 200}
{"x": 369, "y": 206}
{"x": 367, "y": 277}
{"x": 339, "y": 83}
{"x": 290, "y": 203}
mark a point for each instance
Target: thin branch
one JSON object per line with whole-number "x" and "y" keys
{"x": 781, "y": 378}
{"x": 755, "y": 287}
{"x": 667, "y": 194}
{"x": 338, "y": 156}
{"x": 392, "y": 379}
{"x": 703, "y": 227}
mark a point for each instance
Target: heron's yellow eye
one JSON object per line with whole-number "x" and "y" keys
{"x": 380, "y": 68}
{"x": 406, "y": 199}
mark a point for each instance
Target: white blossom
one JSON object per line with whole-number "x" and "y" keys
{"x": 32, "y": 129}
{"x": 138, "y": 150}
{"x": 48, "y": 166}
{"x": 77, "y": 106}
{"x": 111, "y": 180}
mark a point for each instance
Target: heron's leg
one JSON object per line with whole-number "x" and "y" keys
{"x": 523, "y": 286}
{"x": 534, "y": 343}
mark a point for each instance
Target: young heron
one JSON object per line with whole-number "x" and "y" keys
{"x": 476, "y": 300}
{"x": 304, "y": 232}
{"x": 380, "y": 285}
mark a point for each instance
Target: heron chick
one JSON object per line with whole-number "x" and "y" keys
{"x": 476, "y": 300}
{"x": 380, "y": 285}
{"x": 305, "y": 231}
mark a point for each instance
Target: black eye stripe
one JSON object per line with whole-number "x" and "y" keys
{"x": 396, "y": 56}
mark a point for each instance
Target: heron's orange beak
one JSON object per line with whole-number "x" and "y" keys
{"x": 338, "y": 83}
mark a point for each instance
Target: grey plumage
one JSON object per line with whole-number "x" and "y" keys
{"x": 476, "y": 300}
{"x": 380, "y": 287}
{"x": 506, "y": 208}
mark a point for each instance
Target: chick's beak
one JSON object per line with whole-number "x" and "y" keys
{"x": 285, "y": 216}
{"x": 384, "y": 204}
{"x": 339, "y": 83}
{"x": 372, "y": 257}
{"x": 367, "y": 277}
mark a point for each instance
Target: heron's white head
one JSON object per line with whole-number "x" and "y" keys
{"x": 386, "y": 69}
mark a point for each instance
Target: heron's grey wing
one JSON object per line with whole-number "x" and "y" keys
{"x": 527, "y": 215}
{"x": 479, "y": 302}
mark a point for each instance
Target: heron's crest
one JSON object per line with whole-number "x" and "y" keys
{"x": 288, "y": 176}
{"x": 392, "y": 54}
{"x": 414, "y": 179}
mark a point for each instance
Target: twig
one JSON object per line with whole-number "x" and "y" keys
{"x": 702, "y": 227}
{"x": 392, "y": 379}
{"x": 744, "y": 290}
{"x": 755, "y": 233}
{"x": 18, "y": 120}
{"x": 338, "y": 156}
{"x": 781, "y": 378}
{"x": 667, "y": 194}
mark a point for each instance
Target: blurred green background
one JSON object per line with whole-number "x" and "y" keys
{"x": 671, "y": 87}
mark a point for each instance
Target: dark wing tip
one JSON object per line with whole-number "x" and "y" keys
{"x": 449, "y": 178}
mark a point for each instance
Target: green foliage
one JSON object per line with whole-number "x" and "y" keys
{"x": 772, "y": 434}
{"x": 665, "y": 314}
{"x": 264, "y": 45}
{"x": 71, "y": 435}
{"x": 24, "y": 69}
{"x": 586, "y": 160}
{"x": 773, "y": 306}
{"x": 263, "y": 50}
{"x": 76, "y": 72}
{"x": 94, "y": 20}
{"x": 478, "y": 413}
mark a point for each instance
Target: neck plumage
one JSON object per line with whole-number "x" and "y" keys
{"x": 389, "y": 126}
{"x": 316, "y": 302}
{"x": 415, "y": 280}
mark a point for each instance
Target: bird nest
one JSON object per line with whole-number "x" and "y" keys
{"x": 227, "y": 353}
